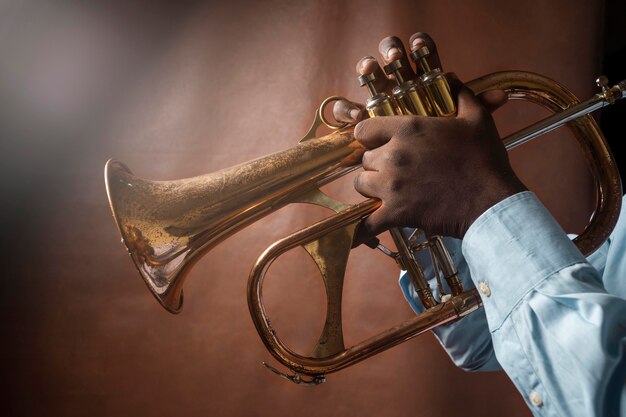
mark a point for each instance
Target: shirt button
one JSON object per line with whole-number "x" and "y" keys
{"x": 535, "y": 399}
{"x": 484, "y": 288}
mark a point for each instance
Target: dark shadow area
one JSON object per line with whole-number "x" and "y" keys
{"x": 614, "y": 67}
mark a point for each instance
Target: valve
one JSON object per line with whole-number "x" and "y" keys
{"x": 434, "y": 82}
{"x": 379, "y": 104}
{"x": 409, "y": 95}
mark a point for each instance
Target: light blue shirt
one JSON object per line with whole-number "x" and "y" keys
{"x": 552, "y": 319}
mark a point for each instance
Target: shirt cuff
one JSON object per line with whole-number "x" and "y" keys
{"x": 511, "y": 248}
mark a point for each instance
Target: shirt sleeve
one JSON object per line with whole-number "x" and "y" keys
{"x": 555, "y": 330}
{"x": 467, "y": 341}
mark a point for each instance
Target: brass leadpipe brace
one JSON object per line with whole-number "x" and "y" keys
{"x": 559, "y": 119}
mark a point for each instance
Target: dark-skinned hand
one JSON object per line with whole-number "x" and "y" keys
{"x": 436, "y": 173}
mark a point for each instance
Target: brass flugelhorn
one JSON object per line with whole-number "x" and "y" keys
{"x": 167, "y": 225}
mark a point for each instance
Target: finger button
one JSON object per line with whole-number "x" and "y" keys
{"x": 366, "y": 78}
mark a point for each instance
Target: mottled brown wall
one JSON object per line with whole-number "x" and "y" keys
{"x": 176, "y": 89}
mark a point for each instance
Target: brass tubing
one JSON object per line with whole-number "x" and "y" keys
{"x": 552, "y": 122}
{"x": 556, "y": 98}
{"x": 436, "y": 316}
{"x": 166, "y": 225}
{"x": 522, "y": 85}
{"x": 416, "y": 275}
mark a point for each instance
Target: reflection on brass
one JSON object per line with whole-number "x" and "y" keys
{"x": 435, "y": 84}
{"x": 409, "y": 95}
{"x": 379, "y": 104}
{"x": 439, "y": 94}
{"x": 168, "y": 225}
{"x": 411, "y": 101}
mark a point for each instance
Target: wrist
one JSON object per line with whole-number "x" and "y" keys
{"x": 490, "y": 194}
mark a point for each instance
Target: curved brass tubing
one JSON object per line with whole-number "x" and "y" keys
{"x": 518, "y": 85}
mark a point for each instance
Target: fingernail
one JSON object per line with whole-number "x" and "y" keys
{"x": 354, "y": 114}
{"x": 417, "y": 43}
{"x": 365, "y": 61}
{"x": 393, "y": 53}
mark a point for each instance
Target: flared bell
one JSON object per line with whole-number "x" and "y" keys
{"x": 158, "y": 242}
{"x": 165, "y": 225}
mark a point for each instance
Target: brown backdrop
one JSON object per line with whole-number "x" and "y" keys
{"x": 177, "y": 90}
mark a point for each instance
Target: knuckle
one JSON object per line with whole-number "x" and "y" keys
{"x": 395, "y": 184}
{"x": 398, "y": 158}
{"x": 409, "y": 126}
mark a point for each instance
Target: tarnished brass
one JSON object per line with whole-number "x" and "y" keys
{"x": 167, "y": 225}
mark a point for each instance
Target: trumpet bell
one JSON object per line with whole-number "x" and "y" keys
{"x": 165, "y": 225}
{"x": 154, "y": 234}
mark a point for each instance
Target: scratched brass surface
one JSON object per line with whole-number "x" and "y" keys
{"x": 166, "y": 224}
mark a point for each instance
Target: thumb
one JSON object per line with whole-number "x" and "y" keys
{"x": 493, "y": 99}
{"x": 371, "y": 226}
{"x": 469, "y": 106}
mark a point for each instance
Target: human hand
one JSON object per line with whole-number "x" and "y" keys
{"x": 435, "y": 173}
{"x": 438, "y": 174}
